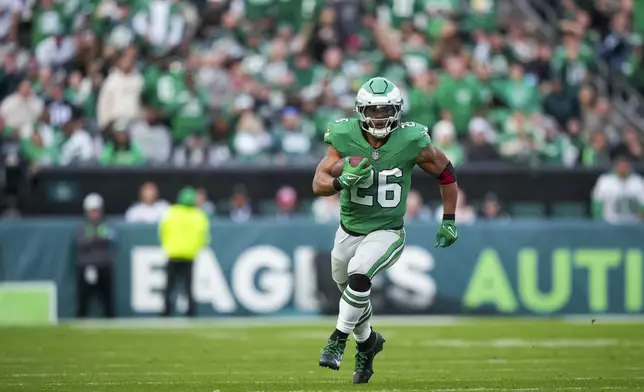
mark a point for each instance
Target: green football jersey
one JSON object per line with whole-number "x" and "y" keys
{"x": 400, "y": 11}
{"x": 379, "y": 202}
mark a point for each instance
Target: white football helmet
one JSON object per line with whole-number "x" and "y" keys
{"x": 379, "y": 106}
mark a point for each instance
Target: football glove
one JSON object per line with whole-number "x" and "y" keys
{"x": 446, "y": 235}
{"x": 352, "y": 176}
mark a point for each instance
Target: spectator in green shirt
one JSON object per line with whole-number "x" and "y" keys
{"x": 517, "y": 92}
{"x": 484, "y": 74}
{"x": 304, "y": 70}
{"x": 120, "y": 150}
{"x": 499, "y": 56}
{"x": 81, "y": 93}
{"x": 633, "y": 68}
{"x": 572, "y": 62}
{"x": 36, "y": 153}
{"x": 48, "y": 20}
{"x": 597, "y": 152}
{"x": 422, "y": 99}
{"x": 557, "y": 150}
{"x": 638, "y": 18}
{"x": 191, "y": 115}
{"x": 519, "y": 140}
{"x": 457, "y": 94}
{"x": 482, "y": 15}
{"x": 162, "y": 86}
{"x": 257, "y": 9}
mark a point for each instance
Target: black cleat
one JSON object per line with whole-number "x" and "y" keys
{"x": 364, "y": 360}
{"x": 332, "y": 353}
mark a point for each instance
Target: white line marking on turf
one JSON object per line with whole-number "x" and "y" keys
{"x": 273, "y": 372}
{"x": 169, "y": 383}
{"x": 22, "y": 363}
{"x": 255, "y": 322}
{"x": 475, "y": 389}
{"x": 522, "y": 343}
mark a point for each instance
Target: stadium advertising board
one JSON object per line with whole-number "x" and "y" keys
{"x": 269, "y": 268}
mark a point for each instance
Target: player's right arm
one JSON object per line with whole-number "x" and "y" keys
{"x": 323, "y": 180}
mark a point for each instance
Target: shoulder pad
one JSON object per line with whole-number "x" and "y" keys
{"x": 415, "y": 130}
{"x": 416, "y": 136}
{"x": 338, "y": 127}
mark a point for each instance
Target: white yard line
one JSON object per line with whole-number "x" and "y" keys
{"x": 168, "y": 383}
{"x": 257, "y": 372}
{"x": 18, "y": 363}
{"x": 523, "y": 343}
{"x": 259, "y": 322}
{"x": 603, "y": 319}
{"x": 474, "y": 389}
{"x": 321, "y": 321}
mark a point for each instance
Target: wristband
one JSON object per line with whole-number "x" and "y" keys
{"x": 449, "y": 217}
{"x": 337, "y": 185}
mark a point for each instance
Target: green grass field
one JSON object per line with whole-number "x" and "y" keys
{"x": 425, "y": 354}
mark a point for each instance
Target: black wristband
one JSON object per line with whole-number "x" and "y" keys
{"x": 337, "y": 185}
{"x": 451, "y": 217}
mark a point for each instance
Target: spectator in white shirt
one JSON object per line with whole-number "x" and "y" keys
{"x": 326, "y": 209}
{"x": 56, "y": 51}
{"x": 618, "y": 196}
{"x": 43, "y": 127}
{"x": 120, "y": 95}
{"x": 465, "y": 213}
{"x": 207, "y": 206}
{"x": 416, "y": 209}
{"x": 161, "y": 24}
{"x": 78, "y": 146}
{"x": 150, "y": 208}
{"x": 240, "y": 207}
{"x": 10, "y": 19}
{"x": 60, "y": 110}
{"x": 22, "y": 107}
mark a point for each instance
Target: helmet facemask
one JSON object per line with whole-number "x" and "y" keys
{"x": 379, "y": 120}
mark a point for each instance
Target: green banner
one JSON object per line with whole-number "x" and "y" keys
{"x": 267, "y": 267}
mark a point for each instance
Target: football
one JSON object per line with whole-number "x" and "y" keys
{"x": 339, "y": 166}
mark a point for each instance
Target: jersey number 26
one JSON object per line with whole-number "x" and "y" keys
{"x": 388, "y": 194}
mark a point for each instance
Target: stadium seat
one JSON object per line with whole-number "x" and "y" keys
{"x": 569, "y": 210}
{"x": 267, "y": 208}
{"x": 222, "y": 207}
{"x": 306, "y": 207}
{"x": 528, "y": 210}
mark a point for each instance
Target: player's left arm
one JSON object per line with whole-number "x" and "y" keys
{"x": 433, "y": 161}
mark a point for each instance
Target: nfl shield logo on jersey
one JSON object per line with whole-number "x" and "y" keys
{"x": 375, "y": 155}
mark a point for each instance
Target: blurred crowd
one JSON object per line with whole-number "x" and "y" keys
{"x": 617, "y": 197}
{"x": 287, "y": 204}
{"x": 209, "y": 82}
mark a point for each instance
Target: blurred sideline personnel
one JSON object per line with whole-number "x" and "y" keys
{"x": 183, "y": 232}
{"x": 373, "y": 201}
{"x": 94, "y": 259}
{"x": 618, "y": 196}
